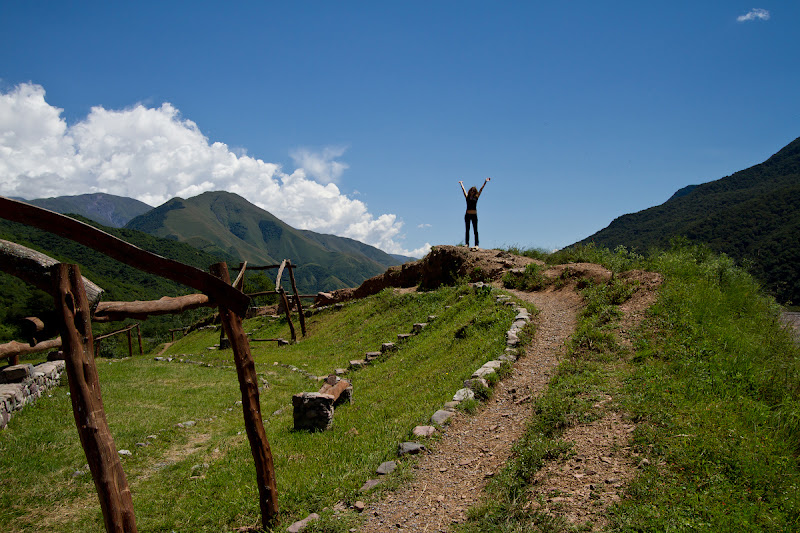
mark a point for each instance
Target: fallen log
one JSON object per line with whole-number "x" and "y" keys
{"x": 313, "y": 411}
{"x": 140, "y": 310}
{"x": 34, "y": 267}
{"x": 12, "y": 350}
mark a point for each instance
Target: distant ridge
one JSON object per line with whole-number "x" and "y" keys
{"x": 106, "y": 209}
{"x": 223, "y": 222}
{"x": 752, "y": 215}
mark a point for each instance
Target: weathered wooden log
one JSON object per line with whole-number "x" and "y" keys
{"x": 124, "y": 252}
{"x": 12, "y": 350}
{"x": 34, "y": 267}
{"x": 251, "y": 406}
{"x": 297, "y": 298}
{"x": 140, "y": 310}
{"x": 127, "y": 330}
{"x": 340, "y": 389}
{"x": 239, "y": 282}
{"x": 87, "y": 404}
{"x": 287, "y": 307}
{"x": 313, "y": 411}
{"x": 32, "y": 329}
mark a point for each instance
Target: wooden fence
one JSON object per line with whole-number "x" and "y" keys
{"x": 77, "y": 302}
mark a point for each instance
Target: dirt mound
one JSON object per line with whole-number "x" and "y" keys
{"x": 577, "y": 271}
{"x": 444, "y": 265}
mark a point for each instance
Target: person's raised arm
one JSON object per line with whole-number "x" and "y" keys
{"x": 482, "y": 186}
{"x": 462, "y": 188}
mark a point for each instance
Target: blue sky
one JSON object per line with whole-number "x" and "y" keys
{"x": 359, "y": 118}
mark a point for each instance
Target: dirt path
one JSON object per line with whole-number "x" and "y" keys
{"x": 473, "y": 448}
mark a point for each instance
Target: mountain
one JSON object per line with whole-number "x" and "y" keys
{"x": 752, "y": 216}
{"x": 223, "y": 222}
{"x": 119, "y": 281}
{"x": 107, "y": 209}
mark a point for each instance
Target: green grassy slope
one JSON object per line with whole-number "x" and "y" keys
{"x": 201, "y": 478}
{"x": 712, "y": 383}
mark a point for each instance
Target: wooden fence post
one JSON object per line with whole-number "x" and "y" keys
{"x": 297, "y": 298}
{"x": 251, "y": 405}
{"x": 87, "y": 404}
{"x": 139, "y": 331}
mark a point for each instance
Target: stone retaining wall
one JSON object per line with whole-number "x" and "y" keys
{"x": 23, "y": 384}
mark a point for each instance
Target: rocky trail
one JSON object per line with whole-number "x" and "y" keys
{"x": 450, "y": 479}
{"x": 577, "y": 488}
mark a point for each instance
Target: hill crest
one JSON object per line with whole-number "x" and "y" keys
{"x": 752, "y": 215}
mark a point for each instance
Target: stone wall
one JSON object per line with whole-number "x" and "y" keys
{"x": 23, "y": 384}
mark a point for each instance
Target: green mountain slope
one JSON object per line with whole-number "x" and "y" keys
{"x": 119, "y": 281}
{"x": 107, "y": 209}
{"x": 752, "y": 215}
{"x": 223, "y": 222}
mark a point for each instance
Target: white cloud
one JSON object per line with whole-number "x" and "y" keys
{"x": 422, "y": 251}
{"x": 754, "y": 14}
{"x": 323, "y": 167}
{"x": 423, "y": 226}
{"x": 153, "y": 154}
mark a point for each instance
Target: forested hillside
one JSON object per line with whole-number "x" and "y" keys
{"x": 223, "y": 222}
{"x": 752, "y": 215}
{"x": 120, "y": 282}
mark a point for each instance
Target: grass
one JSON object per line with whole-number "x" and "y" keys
{"x": 712, "y": 384}
{"x": 715, "y": 393}
{"x": 201, "y": 478}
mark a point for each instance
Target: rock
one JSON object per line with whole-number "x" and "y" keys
{"x": 410, "y": 448}
{"x": 324, "y": 298}
{"x": 371, "y": 356}
{"x": 441, "y": 416}
{"x": 419, "y": 326}
{"x": 494, "y": 365}
{"x": 312, "y": 411}
{"x": 386, "y": 468}
{"x": 483, "y": 372}
{"x": 388, "y": 347}
{"x": 300, "y": 525}
{"x": 125, "y": 453}
{"x": 476, "y": 383}
{"x": 16, "y": 373}
{"x": 187, "y": 424}
{"x": 463, "y": 394}
{"x": 403, "y": 336}
{"x": 370, "y": 484}
{"x": 55, "y": 356}
{"x": 508, "y": 358}
{"x": 423, "y": 431}
{"x": 511, "y": 338}
{"x": 451, "y": 406}
{"x": 357, "y": 363}
{"x": 359, "y": 506}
